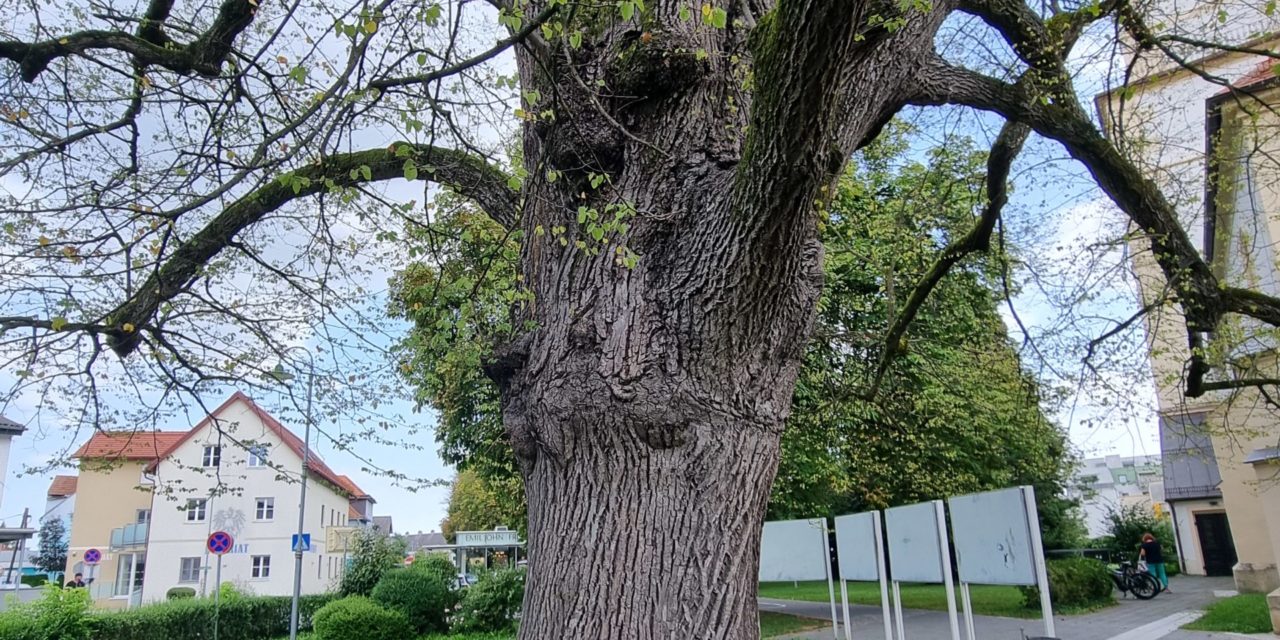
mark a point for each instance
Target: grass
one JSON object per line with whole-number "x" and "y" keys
{"x": 773, "y": 625}
{"x": 1246, "y": 613}
{"x": 987, "y": 600}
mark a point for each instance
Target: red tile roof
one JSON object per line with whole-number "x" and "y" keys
{"x": 62, "y": 486}
{"x": 1265, "y": 70}
{"x": 352, "y": 488}
{"x": 316, "y": 465}
{"x": 129, "y": 445}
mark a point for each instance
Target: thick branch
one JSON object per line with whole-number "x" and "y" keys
{"x": 150, "y": 48}
{"x": 470, "y": 176}
{"x": 1131, "y": 190}
{"x": 1006, "y": 147}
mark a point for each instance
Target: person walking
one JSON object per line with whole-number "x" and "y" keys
{"x": 1151, "y": 553}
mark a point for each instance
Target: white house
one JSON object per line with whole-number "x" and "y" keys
{"x": 1113, "y": 483}
{"x": 60, "y": 501}
{"x": 237, "y": 471}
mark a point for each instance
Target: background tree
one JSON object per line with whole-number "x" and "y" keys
{"x": 372, "y": 556}
{"x": 478, "y": 503}
{"x": 52, "y": 557}
{"x": 201, "y": 188}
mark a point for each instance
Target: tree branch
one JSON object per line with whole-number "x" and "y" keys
{"x": 470, "y": 176}
{"x": 1006, "y": 147}
{"x": 480, "y": 58}
{"x": 150, "y": 47}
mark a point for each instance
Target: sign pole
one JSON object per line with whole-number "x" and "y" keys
{"x": 844, "y": 600}
{"x": 884, "y": 575}
{"x": 1037, "y": 554}
{"x": 944, "y": 549}
{"x": 831, "y": 587}
{"x": 217, "y": 595}
{"x": 897, "y": 610}
{"x": 966, "y": 606}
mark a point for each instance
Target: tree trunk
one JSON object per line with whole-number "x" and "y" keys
{"x": 646, "y": 401}
{"x": 635, "y": 543}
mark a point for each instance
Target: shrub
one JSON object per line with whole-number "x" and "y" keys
{"x": 37, "y": 580}
{"x": 422, "y": 596}
{"x": 357, "y": 617}
{"x": 1127, "y": 525}
{"x": 436, "y": 564}
{"x": 493, "y": 603}
{"x": 1073, "y": 583}
{"x": 372, "y": 555}
{"x": 180, "y": 593}
{"x": 239, "y": 618}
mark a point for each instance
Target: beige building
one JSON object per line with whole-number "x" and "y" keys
{"x": 113, "y": 511}
{"x": 1214, "y": 152}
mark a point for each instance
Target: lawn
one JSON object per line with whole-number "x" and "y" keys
{"x": 1245, "y": 613}
{"x": 778, "y": 624}
{"x": 987, "y": 600}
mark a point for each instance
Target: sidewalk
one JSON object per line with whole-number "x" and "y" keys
{"x": 1130, "y": 619}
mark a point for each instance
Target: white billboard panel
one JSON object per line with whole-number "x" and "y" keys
{"x": 794, "y": 550}
{"x": 856, "y": 546}
{"x": 915, "y": 544}
{"x": 992, "y": 535}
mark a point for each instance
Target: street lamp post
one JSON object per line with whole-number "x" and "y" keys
{"x": 280, "y": 374}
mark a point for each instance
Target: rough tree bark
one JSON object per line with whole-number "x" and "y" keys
{"x": 647, "y": 406}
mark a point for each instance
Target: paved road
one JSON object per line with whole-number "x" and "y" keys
{"x": 1129, "y": 620}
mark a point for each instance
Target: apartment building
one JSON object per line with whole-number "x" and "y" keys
{"x": 148, "y": 501}
{"x": 1212, "y": 151}
{"x": 112, "y": 512}
{"x": 1112, "y": 483}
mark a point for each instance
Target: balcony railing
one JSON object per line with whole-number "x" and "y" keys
{"x": 130, "y": 535}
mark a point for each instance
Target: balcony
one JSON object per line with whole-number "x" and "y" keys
{"x": 130, "y": 535}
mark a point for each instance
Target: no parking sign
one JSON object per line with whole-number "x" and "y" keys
{"x": 220, "y": 542}
{"x": 92, "y": 557}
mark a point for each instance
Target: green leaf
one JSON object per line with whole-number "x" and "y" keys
{"x": 552, "y": 175}
{"x": 298, "y": 74}
{"x": 432, "y": 15}
{"x": 58, "y": 323}
{"x": 370, "y": 26}
{"x": 575, "y": 39}
{"x": 686, "y": 14}
{"x": 627, "y": 8}
{"x": 514, "y": 183}
{"x": 410, "y": 170}
{"x": 596, "y": 231}
{"x": 366, "y": 171}
{"x": 719, "y": 18}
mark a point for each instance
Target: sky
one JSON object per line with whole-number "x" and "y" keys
{"x": 1061, "y": 214}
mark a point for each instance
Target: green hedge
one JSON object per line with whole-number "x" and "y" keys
{"x": 1074, "y": 583}
{"x": 244, "y": 618}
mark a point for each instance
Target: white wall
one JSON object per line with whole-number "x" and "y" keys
{"x": 172, "y": 537}
{"x": 5, "y": 441}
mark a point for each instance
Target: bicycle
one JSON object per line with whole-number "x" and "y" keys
{"x": 1129, "y": 579}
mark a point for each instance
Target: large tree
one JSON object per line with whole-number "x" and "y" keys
{"x": 186, "y": 182}
{"x": 931, "y": 430}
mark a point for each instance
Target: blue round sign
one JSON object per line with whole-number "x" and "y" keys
{"x": 92, "y": 556}
{"x": 220, "y": 542}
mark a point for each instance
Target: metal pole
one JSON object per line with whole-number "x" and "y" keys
{"x": 831, "y": 589}
{"x": 897, "y": 610}
{"x": 944, "y": 549}
{"x": 884, "y": 575}
{"x": 217, "y": 597}
{"x": 1037, "y": 555}
{"x": 966, "y": 606}
{"x": 844, "y": 601}
{"x": 302, "y": 504}
{"x": 17, "y": 579}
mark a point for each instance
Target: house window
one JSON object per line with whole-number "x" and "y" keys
{"x": 196, "y": 509}
{"x": 189, "y": 570}
{"x": 212, "y": 456}
{"x": 321, "y": 516}
{"x": 258, "y": 455}
{"x": 130, "y": 570}
{"x": 143, "y": 517}
{"x": 261, "y": 567}
{"x": 266, "y": 509}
